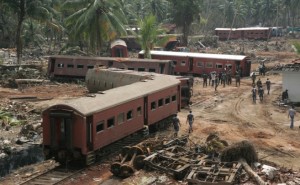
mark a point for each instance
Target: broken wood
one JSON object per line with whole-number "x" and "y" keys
{"x": 251, "y": 173}
{"x": 26, "y": 81}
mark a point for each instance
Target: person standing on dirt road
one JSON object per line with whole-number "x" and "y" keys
{"x": 261, "y": 93}
{"x": 176, "y": 124}
{"x": 268, "y": 83}
{"x": 253, "y": 94}
{"x": 291, "y": 114}
{"x": 237, "y": 79}
{"x": 190, "y": 120}
{"x": 204, "y": 79}
{"x": 253, "y": 78}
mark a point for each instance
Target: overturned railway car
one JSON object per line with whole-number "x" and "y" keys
{"x": 83, "y": 128}
{"x": 68, "y": 67}
{"x": 198, "y": 63}
{"x": 251, "y": 33}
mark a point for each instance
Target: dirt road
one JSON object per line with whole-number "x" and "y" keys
{"x": 231, "y": 113}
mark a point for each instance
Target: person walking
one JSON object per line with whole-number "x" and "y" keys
{"x": 258, "y": 83}
{"x": 253, "y": 94}
{"x": 176, "y": 124}
{"x": 285, "y": 96}
{"x": 261, "y": 93}
{"x": 213, "y": 78}
{"x": 190, "y": 120}
{"x": 204, "y": 79}
{"x": 291, "y": 114}
{"x": 268, "y": 83}
{"x": 237, "y": 79}
{"x": 253, "y": 78}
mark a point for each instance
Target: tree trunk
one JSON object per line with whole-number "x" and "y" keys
{"x": 251, "y": 173}
{"x": 21, "y": 17}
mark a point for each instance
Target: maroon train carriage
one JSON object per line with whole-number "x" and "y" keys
{"x": 60, "y": 66}
{"x": 119, "y": 48}
{"x": 228, "y": 33}
{"x": 252, "y": 33}
{"x": 199, "y": 63}
{"x": 80, "y": 128}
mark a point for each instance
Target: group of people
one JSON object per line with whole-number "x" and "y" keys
{"x": 189, "y": 120}
{"x": 257, "y": 88}
{"x": 223, "y": 78}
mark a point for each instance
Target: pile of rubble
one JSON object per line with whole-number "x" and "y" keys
{"x": 188, "y": 162}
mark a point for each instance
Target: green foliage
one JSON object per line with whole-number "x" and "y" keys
{"x": 148, "y": 35}
{"x": 8, "y": 118}
{"x": 297, "y": 46}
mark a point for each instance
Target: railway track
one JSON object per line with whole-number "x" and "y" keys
{"x": 51, "y": 177}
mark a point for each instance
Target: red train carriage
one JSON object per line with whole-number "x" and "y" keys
{"x": 77, "y": 66}
{"x": 119, "y": 48}
{"x": 199, "y": 63}
{"x": 80, "y": 128}
{"x": 244, "y": 33}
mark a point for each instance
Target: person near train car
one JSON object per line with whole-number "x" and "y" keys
{"x": 237, "y": 79}
{"x": 291, "y": 114}
{"x": 268, "y": 83}
{"x": 209, "y": 79}
{"x": 216, "y": 83}
{"x": 176, "y": 125}
{"x": 190, "y": 120}
{"x": 229, "y": 78}
{"x": 213, "y": 78}
{"x": 253, "y": 77}
{"x": 204, "y": 76}
{"x": 223, "y": 78}
{"x": 253, "y": 91}
{"x": 285, "y": 96}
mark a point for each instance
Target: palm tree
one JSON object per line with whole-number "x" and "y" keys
{"x": 149, "y": 35}
{"x": 95, "y": 21}
{"x": 183, "y": 14}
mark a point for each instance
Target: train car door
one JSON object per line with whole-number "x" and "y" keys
{"x": 61, "y": 129}
{"x": 191, "y": 64}
{"x": 162, "y": 68}
{"x": 146, "y": 110}
{"x": 89, "y": 132}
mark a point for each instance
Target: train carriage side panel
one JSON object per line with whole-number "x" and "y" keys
{"x": 181, "y": 63}
{"x": 117, "y": 122}
{"x": 162, "y": 103}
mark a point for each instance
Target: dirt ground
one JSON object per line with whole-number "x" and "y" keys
{"x": 229, "y": 111}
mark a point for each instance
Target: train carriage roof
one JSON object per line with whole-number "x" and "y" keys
{"x": 197, "y": 55}
{"x": 116, "y": 96}
{"x": 117, "y": 59}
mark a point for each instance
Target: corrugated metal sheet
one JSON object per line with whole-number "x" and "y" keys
{"x": 197, "y": 55}
{"x": 118, "y": 42}
{"x": 112, "y": 97}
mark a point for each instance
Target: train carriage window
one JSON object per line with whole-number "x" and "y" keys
{"x": 209, "y": 65}
{"x": 182, "y": 63}
{"x": 70, "y": 66}
{"x": 153, "y": 105}
{"x": 139, "y": 111}
{"x": 152, "y": 70}
{"x": 199, "y": 64}
{"x": 219, "y": 66}
{"x": 121, "y": 117}
{"x": 129, "y": 115}
{"x": 160, "y": 102}
{"x": 80, "y": 66}
{"x": 141, "y": 69}
{"x": 60, "y": 65}
{"x": 90, "y": 67}
{"x": 110, "y": 122}
{"x": 167, "y": 100}
{"x": 100, "y": 126}
{"x": 130, "y": 68}
{"x": 174, "y": 98}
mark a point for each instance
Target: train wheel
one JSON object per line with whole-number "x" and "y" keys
{"x": 138, "y": 162}
{"x": 115, "y": 168}
{"x": 126, "y": 171}
{"x": 126, "y": 151}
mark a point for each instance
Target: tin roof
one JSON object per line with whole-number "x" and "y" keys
{"x": 118, "y": 42}
{"x": 112, "y": 97}
{"x": 197, "y": 55}
{"x": 116, "y": 59}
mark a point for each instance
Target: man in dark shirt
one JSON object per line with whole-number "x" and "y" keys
{"x": 190, "y": 120}
{"x": 268, "y": 83}
{"x": 176, "y": 124}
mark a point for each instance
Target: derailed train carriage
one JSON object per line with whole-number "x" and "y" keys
{"x": 85, "y": 127}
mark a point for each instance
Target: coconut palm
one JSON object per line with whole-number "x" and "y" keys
{"x": 149, "y": 35}
{"x": 95, "y": 21}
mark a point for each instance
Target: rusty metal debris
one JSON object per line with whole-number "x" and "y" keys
{"x": 212, "y": 172}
